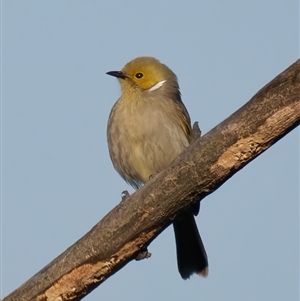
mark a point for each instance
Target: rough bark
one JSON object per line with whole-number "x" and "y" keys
{"x": 211, "y": 160}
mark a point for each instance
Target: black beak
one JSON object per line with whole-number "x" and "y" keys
{"x": 118, "y": 74}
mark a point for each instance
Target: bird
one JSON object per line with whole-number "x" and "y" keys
{"x": 148, "y": 127}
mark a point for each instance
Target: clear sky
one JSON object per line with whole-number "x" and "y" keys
{"x": 58, "y": 181}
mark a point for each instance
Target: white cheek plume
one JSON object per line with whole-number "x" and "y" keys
{"x": 157, "y": 86}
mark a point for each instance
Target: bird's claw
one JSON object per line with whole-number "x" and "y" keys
{"x": 125, "y": 194}
{"x": 196, "y": 132}
{"x": 153, "y": 176}
{"x": 143, "y": 255}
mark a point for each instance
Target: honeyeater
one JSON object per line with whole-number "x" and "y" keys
{"x": 148, "y": 128}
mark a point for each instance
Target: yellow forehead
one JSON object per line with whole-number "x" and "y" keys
{"x": 147, "y": 71}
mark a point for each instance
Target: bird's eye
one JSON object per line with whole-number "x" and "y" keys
{"x": 139, "y": 75}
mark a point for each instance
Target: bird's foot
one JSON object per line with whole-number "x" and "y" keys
{"x": 153, "y": 176}
{"x": 143, "y": 254}
{"x": 196, "y": 132}
{"x": 125, "y": 194}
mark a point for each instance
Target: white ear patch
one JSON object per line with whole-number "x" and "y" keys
{"x": 157, "y": 86}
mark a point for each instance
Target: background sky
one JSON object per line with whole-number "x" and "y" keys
{"x": 57, "y": 178}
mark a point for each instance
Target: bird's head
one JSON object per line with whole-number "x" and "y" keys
{"x": 145, "y": 74}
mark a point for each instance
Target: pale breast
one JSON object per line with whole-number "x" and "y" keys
{"x": 144, "y": 138}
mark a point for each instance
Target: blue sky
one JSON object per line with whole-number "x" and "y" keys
{"x": 57, "y": 178}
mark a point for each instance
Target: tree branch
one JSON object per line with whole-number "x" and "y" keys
{"x": 209, "y": 162}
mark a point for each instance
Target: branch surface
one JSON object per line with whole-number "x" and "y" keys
{"x": 209, "y": 162}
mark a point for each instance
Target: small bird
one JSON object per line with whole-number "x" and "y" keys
{"x": 148, "y": 128}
